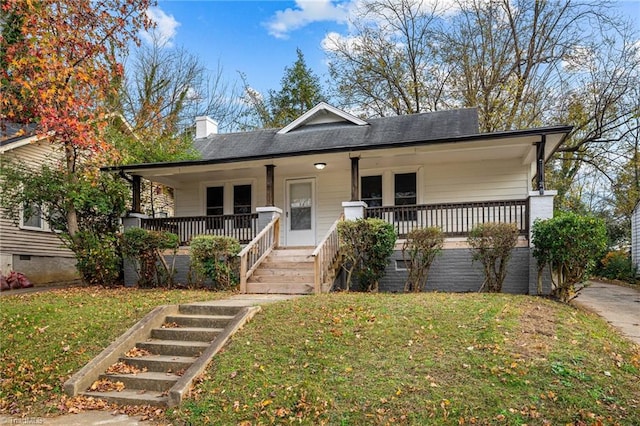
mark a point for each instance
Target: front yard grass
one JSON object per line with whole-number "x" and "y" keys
{"x": 450, "y": 359}
{"x": 46, "y": 337}
{"x": 348, "y": 359}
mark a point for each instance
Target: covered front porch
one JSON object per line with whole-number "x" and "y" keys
{"x": 262, "y": 257}
{"x": 275, "y": 203}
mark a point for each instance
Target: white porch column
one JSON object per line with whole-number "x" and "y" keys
{"x": 540, "y": 207}
{"x": 266, "y": 215}
{"x": 132, "y": 220}
{"x": 354, "y": 209}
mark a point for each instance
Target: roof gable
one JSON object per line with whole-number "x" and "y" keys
{"x": 322, "y": 113}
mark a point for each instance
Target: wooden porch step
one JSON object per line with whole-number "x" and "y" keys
{"x": 284, "y": 271}
{"x": 279, "y": 288}
{"x": 286, "y": 264}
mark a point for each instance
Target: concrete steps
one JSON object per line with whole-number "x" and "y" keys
{"x": 155, "y": 362}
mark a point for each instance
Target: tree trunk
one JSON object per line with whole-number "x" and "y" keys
{"x": 72, "y": 215}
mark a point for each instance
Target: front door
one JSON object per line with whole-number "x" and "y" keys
{"x": 300, "y": 212}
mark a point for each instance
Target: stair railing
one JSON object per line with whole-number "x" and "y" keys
{"x": 257, "y": 250}
{"x": 325, "y": 255}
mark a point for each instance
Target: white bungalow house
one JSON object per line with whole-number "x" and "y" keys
{"x": 278, "y": 189}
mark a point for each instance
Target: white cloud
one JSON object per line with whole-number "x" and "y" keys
{"x": 165, "y": 27}
{"x": 305, "y": 13}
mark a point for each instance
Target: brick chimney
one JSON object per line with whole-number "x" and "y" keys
{"x": 205, "y": 126}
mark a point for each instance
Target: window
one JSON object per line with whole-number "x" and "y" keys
{"x": 405, "y": 194}
{"x": 371, "y": 189}
{"x": 215, "y": 207}
{"x": 242, "y": 205}
{"x": 32, "y": 217}
{"x": 215, "y": 201}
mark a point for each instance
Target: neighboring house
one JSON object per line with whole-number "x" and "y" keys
{"x": 31, "y": 246}
{"x": 432, "y": 169}
{"x": 635, "y": 237}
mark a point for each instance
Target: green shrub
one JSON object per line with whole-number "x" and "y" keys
{"x": 419, "y": 251}
{"x": 617, "y": 265}
{"x": 366, "y": 246}
{"x": 569, "y": 244}
{"x": 492, "y": 244}
{"x": 144, "y": 249}
{"x": 97, "y": 258}
{"x": 215, "y": 257}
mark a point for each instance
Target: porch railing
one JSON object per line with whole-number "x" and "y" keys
{"x": 243, "y": 227}
{"x": 325, "y": 255}
{"x": 455, "y": 219}
{"x": 257, "y": 250}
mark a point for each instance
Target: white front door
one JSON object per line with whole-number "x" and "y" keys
{"x": 300, "y": 212}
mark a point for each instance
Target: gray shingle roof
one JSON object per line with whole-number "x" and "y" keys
{"x": 380, "y": 132}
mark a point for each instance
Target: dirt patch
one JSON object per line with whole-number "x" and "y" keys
{"x": 537, "y": 332}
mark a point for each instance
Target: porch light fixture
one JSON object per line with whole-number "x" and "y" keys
{"x": 320, "y": 166}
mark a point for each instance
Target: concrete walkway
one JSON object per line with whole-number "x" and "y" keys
{"x": 106, "y": 418}
{"x": 618, "y": 305}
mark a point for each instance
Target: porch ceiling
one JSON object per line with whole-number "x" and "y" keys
{"x": 521, "y": 148}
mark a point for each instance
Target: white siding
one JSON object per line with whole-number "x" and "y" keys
{"x": 635, "y": 236}
{"x": 437, "y": 183}
{"x": 476, "y": 181}
{"x": 188, "y": 201}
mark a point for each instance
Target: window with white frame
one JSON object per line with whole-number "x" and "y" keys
{"x": 31, "y": 217}
{"x": 228, "y": 199}
{"x": 371, "y": 190}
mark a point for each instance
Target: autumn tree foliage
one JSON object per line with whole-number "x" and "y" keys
{"x": 60, "y": 62}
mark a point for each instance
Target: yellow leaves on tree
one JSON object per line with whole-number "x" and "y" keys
{"x": 59, "y": 70}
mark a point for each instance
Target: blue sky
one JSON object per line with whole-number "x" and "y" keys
{"x": 259, "y": 38}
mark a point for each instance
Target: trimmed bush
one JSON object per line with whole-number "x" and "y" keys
{"x": 418, "y": 252}
{"x": 97, "y": 258}
{"x": 617, "y": 265}
{"x": 492, "y": 244}
{"x": 144, "y": 249}
{"x": 215, "y": 257}
{"x": 569, "y": 244}
{"x": 366, "y": 246}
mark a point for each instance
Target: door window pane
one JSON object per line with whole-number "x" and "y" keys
{"x": 371, "y": 188}
{"x": 300, "y": 206}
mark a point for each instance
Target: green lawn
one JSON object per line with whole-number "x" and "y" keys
{"x": 353, "y": 359}
{"x": 46, "y": 337}
{"x": 349, "y": 359}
